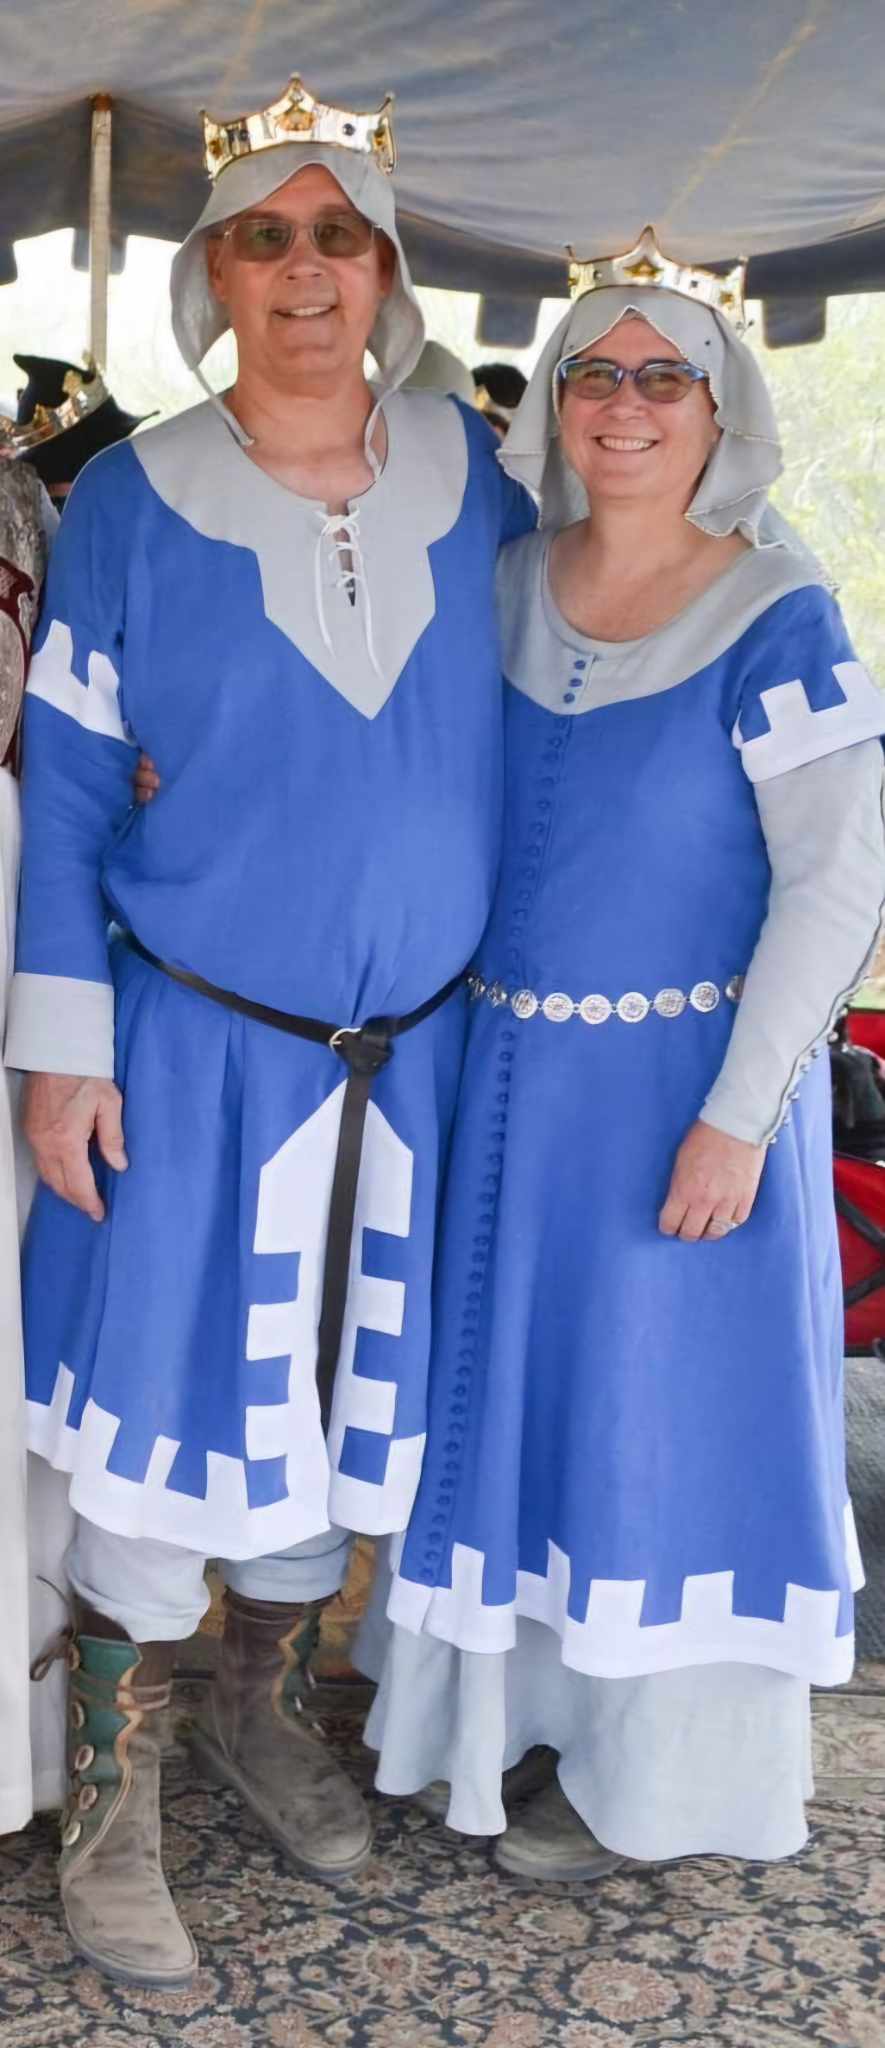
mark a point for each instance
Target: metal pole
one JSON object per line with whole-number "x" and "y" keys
{"x": 99, "y": 229}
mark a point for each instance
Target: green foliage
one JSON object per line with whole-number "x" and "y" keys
{"x": 830, "y": 403}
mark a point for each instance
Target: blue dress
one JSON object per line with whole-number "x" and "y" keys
{"x": 325, "y": 841}
{"x": 636, "y": 1441}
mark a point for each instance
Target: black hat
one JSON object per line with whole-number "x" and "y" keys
{"x": 503, "y": 383}
{"x": 61, "y": 456}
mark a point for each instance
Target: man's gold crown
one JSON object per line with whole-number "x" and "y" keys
{"x": 647, "y": 265}
{"x": 298, "y": 117}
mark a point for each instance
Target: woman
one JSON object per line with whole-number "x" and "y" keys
{"x": 632, "y": 1540}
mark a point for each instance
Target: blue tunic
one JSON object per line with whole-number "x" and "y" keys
{"x": 325, "y": 841}
{"x": 635, "y": 1440}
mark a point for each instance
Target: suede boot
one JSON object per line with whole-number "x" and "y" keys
{"x": 549, "y": 1840}
{"x": 255, "y": 1733}
{"x": 118, "y": 1906}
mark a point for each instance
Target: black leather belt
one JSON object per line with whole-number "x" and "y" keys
{"x": 365, "y": 1049}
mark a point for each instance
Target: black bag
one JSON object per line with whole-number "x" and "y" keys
{"x": 858, "y": 1102}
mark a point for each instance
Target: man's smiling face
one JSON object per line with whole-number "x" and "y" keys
{"x": 303, "y": 319}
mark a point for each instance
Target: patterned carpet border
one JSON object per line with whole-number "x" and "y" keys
{"x": 432, "y": 1948}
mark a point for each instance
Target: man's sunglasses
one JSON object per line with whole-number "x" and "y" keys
{"x": 595, "y": 377}
{"x": 265, "y": 238}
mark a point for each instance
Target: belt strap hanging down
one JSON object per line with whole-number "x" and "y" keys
{"x": 365, "y": 1049}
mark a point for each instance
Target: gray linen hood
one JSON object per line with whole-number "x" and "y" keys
{"x": 198, "y": 319}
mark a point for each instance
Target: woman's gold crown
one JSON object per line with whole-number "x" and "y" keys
{"x": 646, "y": 266}
{"x": 298, "y": 117}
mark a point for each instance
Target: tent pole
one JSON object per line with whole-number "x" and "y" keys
{"x": 99, "y": 229}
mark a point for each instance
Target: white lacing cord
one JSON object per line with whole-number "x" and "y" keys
{"x": 341, "y": 531}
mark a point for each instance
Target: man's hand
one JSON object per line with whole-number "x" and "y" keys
{"x": 146, "y": 781}
{"x": 713, "y": 1187}
{"x": 61, "y": 1114}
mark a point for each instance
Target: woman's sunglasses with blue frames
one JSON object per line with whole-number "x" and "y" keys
{"x": 664, "y": 382}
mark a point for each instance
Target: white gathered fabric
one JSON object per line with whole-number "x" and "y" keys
{"x": 340, "y": 534}
{"x": 35, "y": 1517}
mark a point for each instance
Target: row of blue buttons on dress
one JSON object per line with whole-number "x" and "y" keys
{"x": 465, "y": 1362}
{"x": 576, "y": 682}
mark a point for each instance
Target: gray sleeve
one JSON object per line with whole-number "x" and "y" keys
{"x": 823, "y": 827}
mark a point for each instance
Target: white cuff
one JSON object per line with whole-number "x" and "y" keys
{"x": 61, "y": 1026}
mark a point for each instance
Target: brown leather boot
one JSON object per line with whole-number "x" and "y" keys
{"x": 118, "y": 1906}
{"x": 255, "y": 1732}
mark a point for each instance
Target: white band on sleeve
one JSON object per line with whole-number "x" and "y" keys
{"x": 58, "y": 1025}
{"x": 798, "y": 734}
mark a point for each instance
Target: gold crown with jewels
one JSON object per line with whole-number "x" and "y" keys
{"x": 85, "y": 391}
{"x": 298, "y": 117}
{"x": 646, "y": 265}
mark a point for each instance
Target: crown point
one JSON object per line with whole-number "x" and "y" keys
{"x": 646, "y": 266}
{"x": 297, "y": 117}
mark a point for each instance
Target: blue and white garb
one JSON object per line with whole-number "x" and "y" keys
{"x": 635, "y": 1442}
{"x": 325, "y": 842}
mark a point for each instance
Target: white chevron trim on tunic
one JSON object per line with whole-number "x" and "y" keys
{"x": 611, "y": 1641}
{"x": 96, "y": 705}
{"x": 293, "y": 1206}
{"x": 798, "y": 733}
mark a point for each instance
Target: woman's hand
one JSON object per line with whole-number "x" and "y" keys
{"x": 146, "y": 781}
{"x": 713, "y": 1186}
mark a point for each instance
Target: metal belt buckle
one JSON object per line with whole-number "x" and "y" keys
{"x": 343, "y": 1031}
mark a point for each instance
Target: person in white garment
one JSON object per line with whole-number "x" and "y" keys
{"x": 632, "y": 1541}
{"x": 64, "y": 415}
{"x": 26, "y": 522}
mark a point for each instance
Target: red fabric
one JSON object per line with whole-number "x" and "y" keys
{"x": 863, "y": 1184}
{"x": 867, "y": 1027}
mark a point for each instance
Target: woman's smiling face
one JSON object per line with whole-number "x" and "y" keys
{"x": 626, "y": 447}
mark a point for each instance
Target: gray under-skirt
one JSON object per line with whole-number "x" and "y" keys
{"x": 713, "y": 1760}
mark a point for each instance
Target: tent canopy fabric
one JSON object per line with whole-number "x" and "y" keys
{"x": 739, "y": 127}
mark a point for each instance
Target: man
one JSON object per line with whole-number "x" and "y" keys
{"x": 286, "y": 599}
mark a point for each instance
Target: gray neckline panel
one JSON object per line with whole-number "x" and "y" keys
{"x": 197, "y": 469}
{"x": 569, "y": 673}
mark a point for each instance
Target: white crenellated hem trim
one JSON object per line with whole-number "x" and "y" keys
{"x": 612, "y": 1642}
{"x": 60, "y": 1025}
{"x": 222, "y": 1524}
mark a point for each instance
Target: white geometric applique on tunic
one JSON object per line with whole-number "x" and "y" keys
{"x": 799, "y": 732}
{"x": 293, "y": 1206}
{"x": 611, "y": 1641}
{"x": 95, "y": 706}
